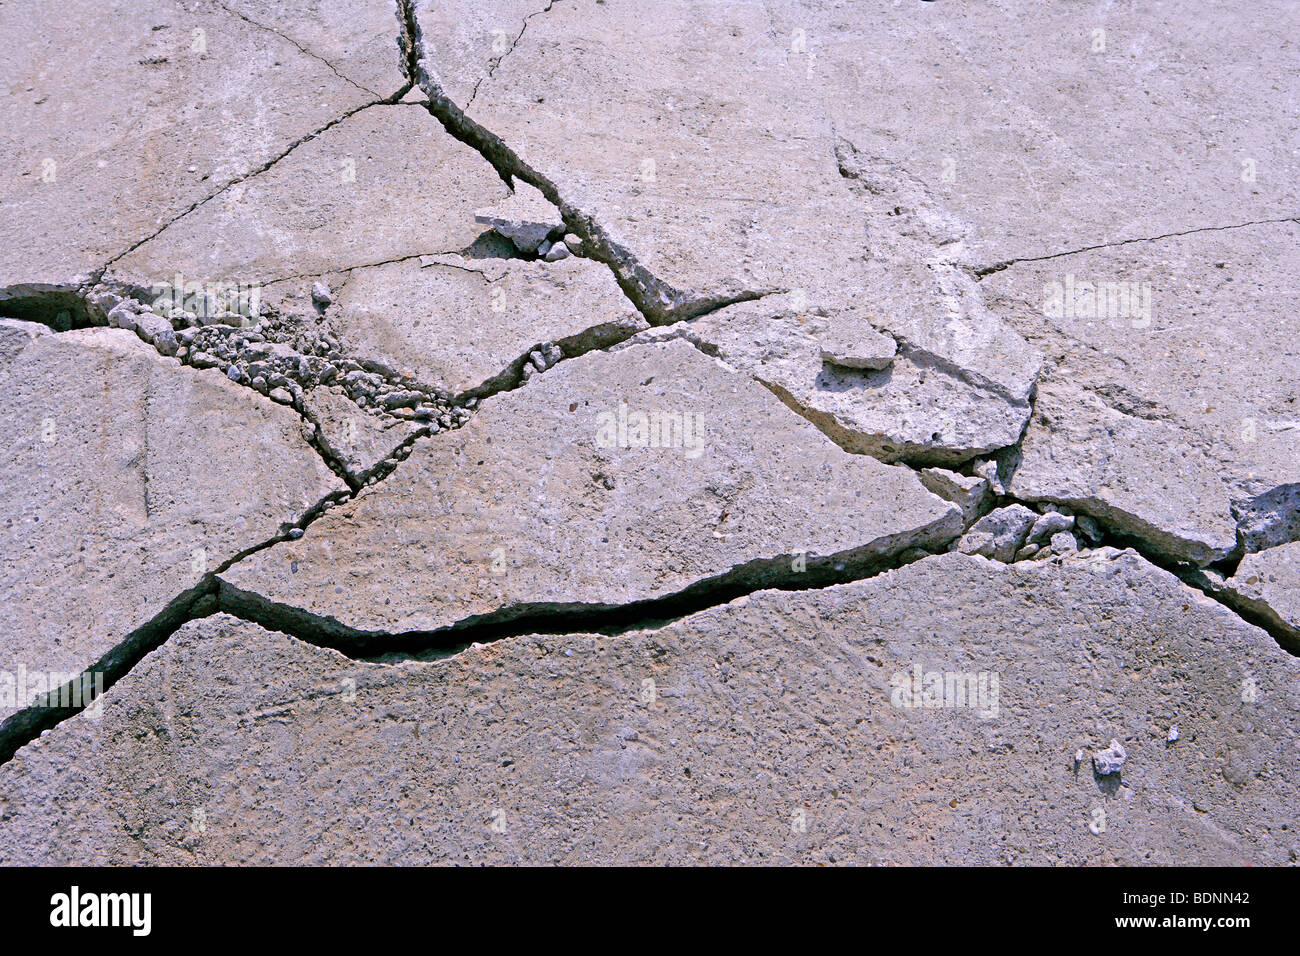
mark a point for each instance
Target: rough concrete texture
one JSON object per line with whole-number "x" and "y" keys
{"x": 187, "y": 99}
{"x": 1169, "y": 402}
{"x": 763, "y": 730}
{"x": 331, "y": 205}
{"x": 539, "y": 430}
{"x": 466, "y": 325}
{"x": 612, "y": 479}
{"x": 126, "y": 479}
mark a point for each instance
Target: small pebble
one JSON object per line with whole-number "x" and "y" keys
{"x": 1109, "y": 761}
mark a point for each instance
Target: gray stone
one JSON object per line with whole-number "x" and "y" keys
{"x": 1110, "y": 760}
{"x": 1064, "y": 543}
{"x": 999, "y": 534}
{"x": 1048, "y": 525}
{"x": 1089, "y": 528}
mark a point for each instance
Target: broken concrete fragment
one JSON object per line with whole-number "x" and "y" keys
{"x": 128, "y": 477}
{"x": 1063, "y": 543}
{"x": 1048, "y": 525}
{"x": 612, "y": 479}
{"x": 1110, "y": 760}
{"x": 914, "y": 410}
{"x": 1268, "y": 584}
{"x": 319, "y": 759}
{"x": 999, "y": 534}
{"x": 320, "y": 294}
{"x": 863, "y": 348}
{"x": 465, "y": 326}
{"x": 970, "y": 493}
{"x": 1268, "y": 518}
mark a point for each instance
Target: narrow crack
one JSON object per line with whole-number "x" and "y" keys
{"x": 98, "y": 275}
{"x": 982, "y": 271}
{"x": 301, "y": 48}
{"x": 502, "y": 58}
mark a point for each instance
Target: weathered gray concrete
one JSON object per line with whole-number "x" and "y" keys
{"x": 1175, "y": 407}
{"x": 770, "y": 730}
{"x": 940, "y": 304}
{"x": 126, "y": 478}
{"x": 119, "y": 138}
{"x": 552, "y": 498}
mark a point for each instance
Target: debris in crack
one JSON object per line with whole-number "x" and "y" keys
{"x": 603, "y": 462}
{"x": 601, "y": 419}
{"x": 999, "y": 534}
{"x": 290, "y": 363}
{"x": 127, "y": 479}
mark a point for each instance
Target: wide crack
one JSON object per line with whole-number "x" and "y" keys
{"x": 658, "y": 301}
{"x": 660, "y": 304}
{"x": 1208, "y": 579}
{"x": 213, "y": 595}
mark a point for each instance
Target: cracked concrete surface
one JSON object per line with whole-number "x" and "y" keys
{"x": 725, "y": 724}
{"x": 774, "y": 431}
